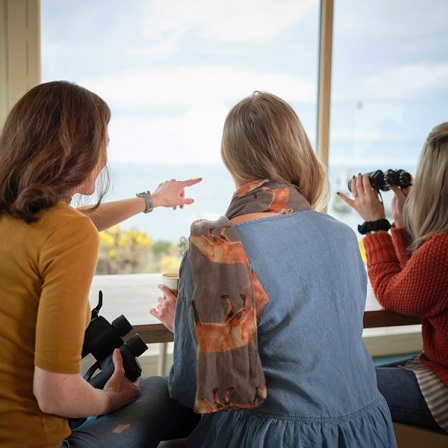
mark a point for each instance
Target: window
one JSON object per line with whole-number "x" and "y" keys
{"x": 170, "y": 71}
{"x": 389, "y": 87}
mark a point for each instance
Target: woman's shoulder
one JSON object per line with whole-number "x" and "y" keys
{"x": 435, "y": 246}
{"x": 438, "y": 237}
{"x": 436, "y": 241}
{"x": 304, "y": 219}
{"x": 62, "y": 213}
{"x": 62, "y": 219}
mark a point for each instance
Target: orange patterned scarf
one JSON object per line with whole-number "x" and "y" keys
{"x": 228, "y": 301}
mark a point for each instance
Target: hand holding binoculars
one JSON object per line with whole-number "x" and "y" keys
{"x": 102, "y": 338}
{"x": 383, "y": 180}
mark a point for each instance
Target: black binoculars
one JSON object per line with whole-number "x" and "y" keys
{"x": 102, "y": 338}
{"x": 383, "y": 180}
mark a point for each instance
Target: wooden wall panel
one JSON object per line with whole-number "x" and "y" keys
{"x": 19, "y": 50}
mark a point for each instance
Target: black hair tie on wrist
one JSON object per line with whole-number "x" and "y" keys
{"x": 373, "y": 226}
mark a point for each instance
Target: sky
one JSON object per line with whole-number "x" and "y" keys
{"x": 171, "y": 70}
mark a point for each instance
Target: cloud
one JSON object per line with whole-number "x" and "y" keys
{"x": 403, "y": 83}
{"x": 146, "y": 139}
{"x": 197, "y": 99}
{"x": 226, "y": 21}
{"x": 194, "y": 137}
{"x": 383, "y": 20}
{"x": 185, "y": 85}
{"x": 166, "y": 115}
{"x": 407, "y": 82}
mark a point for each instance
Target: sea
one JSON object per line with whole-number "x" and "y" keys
{"x": 212, "y": 195}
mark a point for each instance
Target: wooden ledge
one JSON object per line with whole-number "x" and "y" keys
{"x": 157, "y": 333}
{"x": 153, "y": 333}
{"x": 410, "y": 436}
{"x": 383, "y": 318}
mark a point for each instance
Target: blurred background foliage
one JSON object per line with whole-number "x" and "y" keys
{"x": 134, "y": 251}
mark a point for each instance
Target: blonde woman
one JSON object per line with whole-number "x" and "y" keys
{"x": 408, "y": 271}
{"x": 268, "y": 321}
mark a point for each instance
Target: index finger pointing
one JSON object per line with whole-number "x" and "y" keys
{"x": 189, "y": 182}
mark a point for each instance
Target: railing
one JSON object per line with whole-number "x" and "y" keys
{"x": 153, "y": 333}
{"x": 156, "y": 333}
{"x": 134, "y": 294}
{"x": 383, "y": 318}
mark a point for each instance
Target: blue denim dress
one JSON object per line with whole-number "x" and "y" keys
{"x": 320, "y": 378}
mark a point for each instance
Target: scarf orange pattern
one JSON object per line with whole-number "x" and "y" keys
{"x": 228, "y": 301}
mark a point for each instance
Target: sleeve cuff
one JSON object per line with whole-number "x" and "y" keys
{"x": 379, "y": 248}
{"x": 400, "y": 236}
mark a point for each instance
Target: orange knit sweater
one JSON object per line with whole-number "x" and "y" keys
{"x": 416, "y": 285}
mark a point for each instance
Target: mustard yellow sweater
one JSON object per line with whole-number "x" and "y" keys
{"x": 46, "y": 270}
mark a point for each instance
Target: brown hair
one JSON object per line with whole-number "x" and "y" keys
{"x": 425, "y": 210}
{"x": 263, "y": 138}
{"x": 51, "y": 142}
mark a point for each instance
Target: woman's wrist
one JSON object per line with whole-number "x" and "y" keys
{"x": 110, "y": 404}
{"x": 148, "y": 198}
{"x": 156, "y": 200}
{"x": 398, "y": 224}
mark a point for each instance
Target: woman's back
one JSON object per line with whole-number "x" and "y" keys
{"x": 38, "y": 265}
{"x": 321, "y": 385}
{"x": 310, "y": 335}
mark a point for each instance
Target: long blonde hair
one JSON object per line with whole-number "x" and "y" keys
{"x": 263, "y": 138}
{"x": 426, "y": 208}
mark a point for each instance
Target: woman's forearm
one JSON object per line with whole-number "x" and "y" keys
{"x": 168, "y": 194}
{"x": 68, "y": 395}
{"x": 109, "y": 214}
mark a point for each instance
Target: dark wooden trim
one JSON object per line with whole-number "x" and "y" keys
{"x": 157, "y": 333}
{"x": 153, "y": 333}
{"x": 383, "y": 318}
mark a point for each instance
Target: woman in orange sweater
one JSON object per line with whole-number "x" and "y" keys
{"x": 408, "y": 272}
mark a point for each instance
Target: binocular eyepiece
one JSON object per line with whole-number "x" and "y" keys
{"x": 102, "y": 338}
{"x": 383, "y": 180}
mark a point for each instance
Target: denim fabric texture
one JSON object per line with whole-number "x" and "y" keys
{"x": 143, "y": 424}
{"x": 401, "y": 390}
{"x": 321, "y": 381}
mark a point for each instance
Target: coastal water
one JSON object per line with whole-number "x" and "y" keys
{"x": 212, "y": 195}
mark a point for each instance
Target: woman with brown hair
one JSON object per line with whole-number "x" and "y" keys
{"x": 408, "y": 272}
{"x": 52, "y": 147}
{"x": 268, "y": 320}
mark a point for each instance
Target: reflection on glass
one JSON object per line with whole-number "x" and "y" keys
{"x": 389, "y": 87}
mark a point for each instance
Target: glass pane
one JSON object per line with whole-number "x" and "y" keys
{"x": 389, "y": 87}
{"x": 170, "y": 71}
